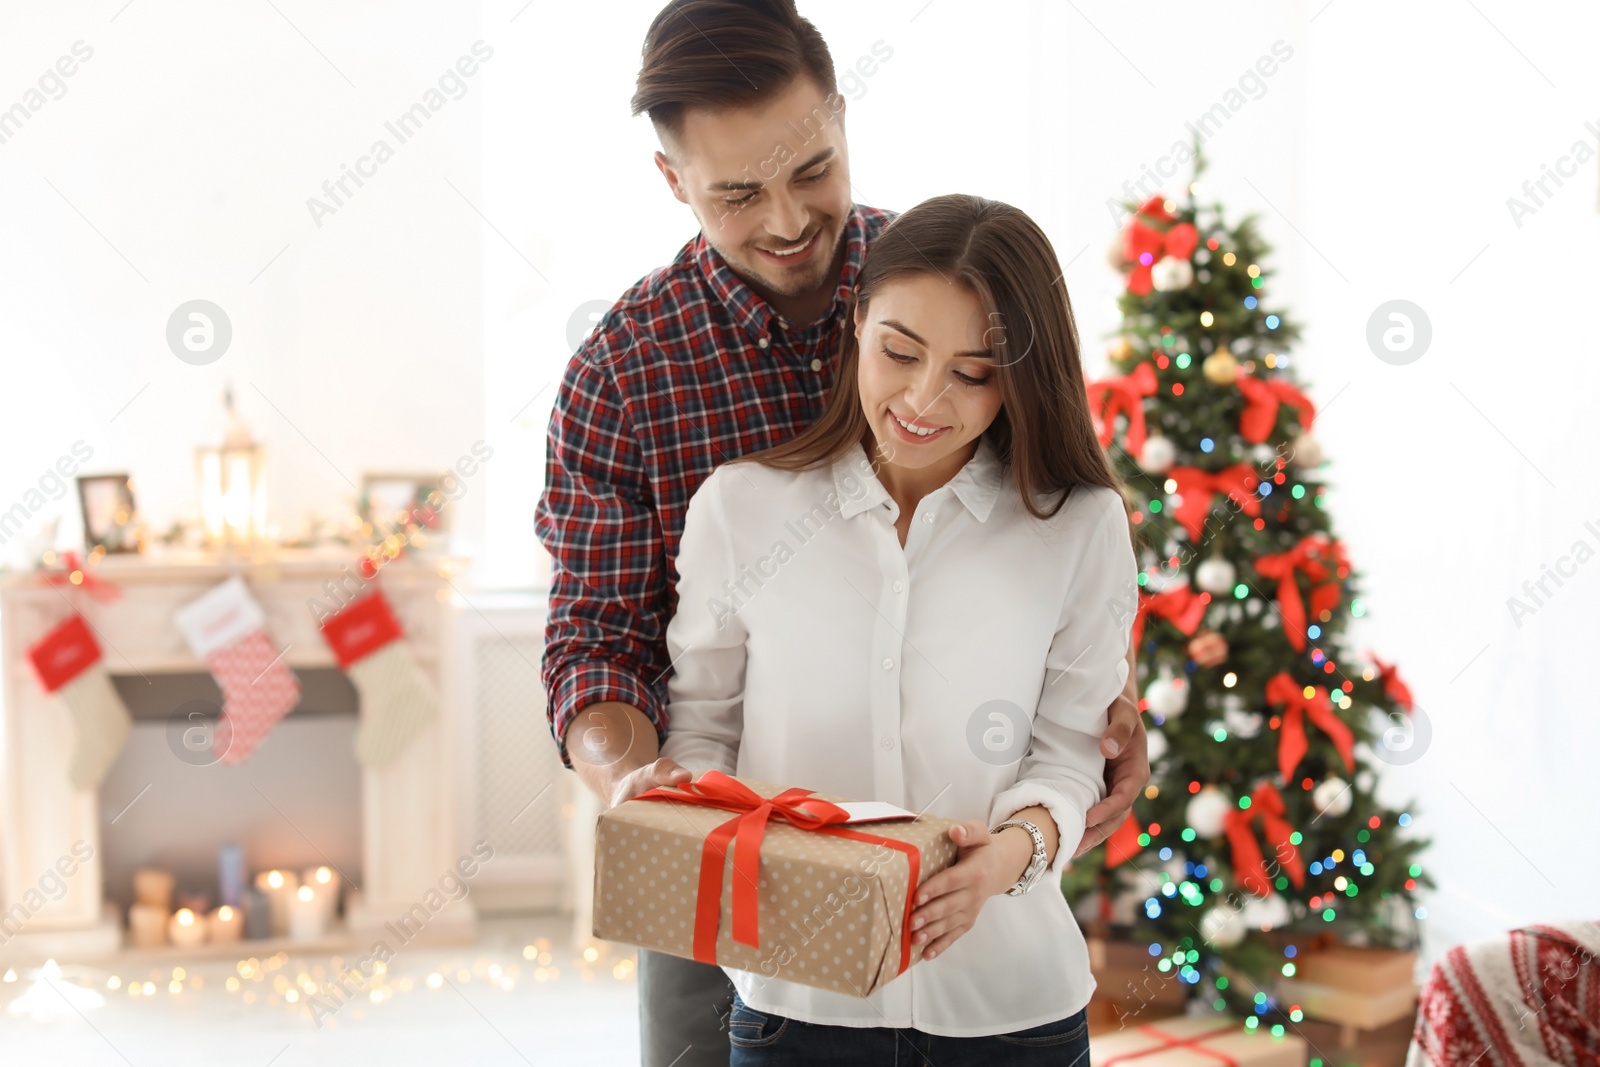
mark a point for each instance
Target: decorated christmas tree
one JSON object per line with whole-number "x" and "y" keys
{"x": 1259, "y": 835}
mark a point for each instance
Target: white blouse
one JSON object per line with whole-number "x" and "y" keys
{"x": 811, "y": 649}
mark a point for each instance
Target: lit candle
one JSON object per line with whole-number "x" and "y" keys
{"x": 227, "y": 924}
{"x": 279, "y": 886}
{"x": 306, "y": 920}
{"x": 147, "y": 924}
{"x": 185, "y": 929}
{"x": 325, "y": 880}
{"x": 154, "y": 888}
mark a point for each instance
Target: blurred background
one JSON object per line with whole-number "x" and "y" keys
{"x": 190, "y": 154}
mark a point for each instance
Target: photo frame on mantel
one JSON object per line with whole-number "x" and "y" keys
{"x": 391, "y": 501}
{"x": 110, "y": 517}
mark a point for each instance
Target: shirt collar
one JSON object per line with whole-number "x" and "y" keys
{"x": 976, "y": 484}
{"x": 753, "y": 314}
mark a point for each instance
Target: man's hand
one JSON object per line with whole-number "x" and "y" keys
{"x": 651, "y": 776}
{"x": 1126, "y": 749}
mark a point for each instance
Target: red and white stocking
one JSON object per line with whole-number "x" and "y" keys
{"x": 68, "y": 663}
{"x": 397, "y": 699}
{"x": 225, "y": 627}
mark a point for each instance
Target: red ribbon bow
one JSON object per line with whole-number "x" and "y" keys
{"x": 1182, "y": 607}
{"x": 1261, "y": 399}
{"x": 1292, "y": 744}
{"x": 1249, "y": 866}
{"x": 1141, "y": 241}
{"x": 744, "y": 832}
{"x": 101, "y": 590}
{"x": 1199, "y": 488}
{"x": 1124, "y": 396}
{"x": 1393, "y": 688}
{"x": 1323, "y": 562}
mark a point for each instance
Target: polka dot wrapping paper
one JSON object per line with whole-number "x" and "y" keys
{"x": 830, "y": 909}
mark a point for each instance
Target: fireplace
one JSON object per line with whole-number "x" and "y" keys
{"x": 395, "y": 828}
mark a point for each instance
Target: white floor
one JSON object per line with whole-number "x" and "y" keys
{"x": 524, "y": 994}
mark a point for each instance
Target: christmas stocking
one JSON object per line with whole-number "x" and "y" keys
{"x": 224, "y": 627}
{"x": 68, "y": 662}
{"x": 397, "y": 700}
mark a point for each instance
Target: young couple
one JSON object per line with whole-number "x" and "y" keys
{"x": 826, "y": 508}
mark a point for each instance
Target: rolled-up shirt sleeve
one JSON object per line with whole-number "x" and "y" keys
{"x": 706, "y": 641}
{"x": 597, "y": 518}
{"x": 1086, "y": 668}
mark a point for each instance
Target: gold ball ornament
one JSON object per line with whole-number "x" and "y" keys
{"x": 1220, "y": 367}
{"x": 1122, "y": 349}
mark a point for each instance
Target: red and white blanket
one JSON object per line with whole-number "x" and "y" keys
{"x": 1530, "y": 998}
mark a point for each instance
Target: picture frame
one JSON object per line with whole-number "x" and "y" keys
{"x": 110, "y": 516}
{"x": 391, "y": 501}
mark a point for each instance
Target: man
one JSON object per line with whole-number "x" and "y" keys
{"x": 729, "y": 349}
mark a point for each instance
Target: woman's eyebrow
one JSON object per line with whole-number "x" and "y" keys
{"x": 903, "y": 328}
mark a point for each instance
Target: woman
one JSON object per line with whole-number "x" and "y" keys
{"x": 918, "y": 600}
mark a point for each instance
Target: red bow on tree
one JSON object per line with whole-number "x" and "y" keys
{"x": 1261, "y": 399}
{"x": 1199, "y": 488}
{"x": 1249, "y": 866}
{"x": 1123, "y": 396}
{"x": 1393, "y": 688}
{"x": 1182, "y": 607}
{"x": 1143, "y": 244}
{"x": 1123, "y": 844}
{"x": 1292, "y": 744}
{"x": 101, "y": 590}
{"x": 1323, "y": 562}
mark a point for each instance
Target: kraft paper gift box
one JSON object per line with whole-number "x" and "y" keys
{"x": 761, "y": 878}
{"x": 1195, "y": 1041}
{"x": 1356, "y": 986}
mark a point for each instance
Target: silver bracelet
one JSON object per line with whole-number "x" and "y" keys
{"x": 1036, "y": 866}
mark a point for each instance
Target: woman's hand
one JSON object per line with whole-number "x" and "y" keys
{"x": 949, "y": 902}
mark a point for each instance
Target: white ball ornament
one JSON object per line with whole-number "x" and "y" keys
{"x": 1222, "y": 926}
{"x": 1332, "y": 796}
{"x": 1171, "y": 273}
{"x": 1242, "y": 724}
{"x": 1307, "y": 453}
{"x": 1167, "y": 697}
{"x": 1157, "y": 455}
{"x": 1215, "y": 576}
{"x": 1206, "y": 810}
{"x": 1266, "y": 913}
{"x": 1156, "y": 743}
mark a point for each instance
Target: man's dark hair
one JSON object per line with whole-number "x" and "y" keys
{"x": 725, "y": 53}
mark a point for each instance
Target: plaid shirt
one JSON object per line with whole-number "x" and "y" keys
{"x": 688, "y": 370}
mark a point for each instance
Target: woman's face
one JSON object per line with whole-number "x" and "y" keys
{"x": 924, "y": 359}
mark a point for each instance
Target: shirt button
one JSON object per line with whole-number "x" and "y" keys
{"x": 761, "y": 343}
{"x": 887, "y": 743}
{"x": 816, "y": 364}
{"x": 898, "y": 585}
{"x": 888, "y": 664}
{"x": 927, "y": 518}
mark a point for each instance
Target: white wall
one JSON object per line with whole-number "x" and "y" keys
{"x": 1380, "y": 156}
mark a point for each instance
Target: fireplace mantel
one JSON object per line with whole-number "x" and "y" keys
{"x": 408, "y": 833}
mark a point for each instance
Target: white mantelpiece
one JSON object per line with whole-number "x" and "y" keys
{"x": 408, "y": 833}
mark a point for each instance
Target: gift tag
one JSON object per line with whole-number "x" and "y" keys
{"x": 873, "y": 811}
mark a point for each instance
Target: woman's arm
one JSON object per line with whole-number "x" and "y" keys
{"x": 705, "y": 643}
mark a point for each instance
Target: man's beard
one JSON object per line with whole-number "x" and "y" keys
{"x": 749, "y": 266}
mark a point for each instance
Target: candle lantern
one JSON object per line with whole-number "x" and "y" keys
{"x": 232, "y": 485}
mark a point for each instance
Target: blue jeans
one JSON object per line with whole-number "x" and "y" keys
{"x": 762, "y": 1040}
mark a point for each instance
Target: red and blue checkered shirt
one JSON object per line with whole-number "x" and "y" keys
{"x": 688, "y": 370}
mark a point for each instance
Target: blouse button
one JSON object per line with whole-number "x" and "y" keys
{"x": 887, "y": 743}
{"x": 927, "y": 518}
{"x": 898, "y": 585}
{"x": 888, "y": 664}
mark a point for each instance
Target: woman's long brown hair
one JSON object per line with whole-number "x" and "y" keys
{"x": 1043, "y": 432}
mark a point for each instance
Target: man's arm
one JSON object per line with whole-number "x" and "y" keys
{"x": 603, "y": 668}
{"x": 1126, "y": 749}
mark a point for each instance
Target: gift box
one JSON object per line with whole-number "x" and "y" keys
{"x": 787, "y": 883}
{"x": 1126, "y": 975}
{"x": 1196, "y": 1041}
{"x": 1357, "y": 967}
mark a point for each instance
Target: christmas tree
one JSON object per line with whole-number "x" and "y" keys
{"x": 1259, "y": 835}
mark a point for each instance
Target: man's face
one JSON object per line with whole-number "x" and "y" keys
{"x": 769, "y": 183}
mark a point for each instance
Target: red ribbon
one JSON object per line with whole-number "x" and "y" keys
{"x": 1292, "y": 744}
{"x": 1249, "y": 866}
{"x": 101, "y": 590}
{"x": 1123, "y": 396}
{"x": 1261, "y": 399}
{"x": 1323, "y": 562}
{"x": 745, "y": 832}
{"x": 1393, "y": 688}
{"x": 1165, "y": 1041}
{"x": 1182, "y": 607}
{"x": 1199, "y": 488}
